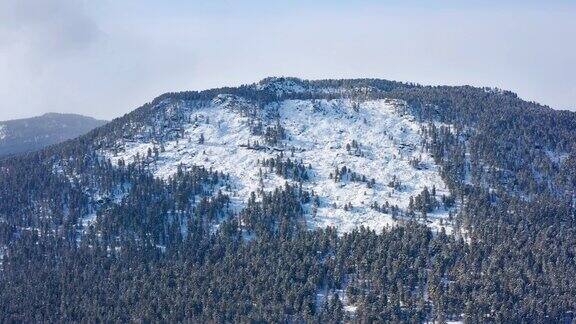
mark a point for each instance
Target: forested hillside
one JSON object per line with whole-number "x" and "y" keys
{"x": 299, "y": 201}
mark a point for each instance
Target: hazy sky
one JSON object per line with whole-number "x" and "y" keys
{"x": 105, "y": 58}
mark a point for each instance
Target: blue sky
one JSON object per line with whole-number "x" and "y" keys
{"x": 105, "y": 58}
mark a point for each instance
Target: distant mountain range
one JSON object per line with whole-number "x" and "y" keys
{"x": 31, "y": 134}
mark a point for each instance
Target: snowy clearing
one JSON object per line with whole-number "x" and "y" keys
{"x": 318, "y": 133}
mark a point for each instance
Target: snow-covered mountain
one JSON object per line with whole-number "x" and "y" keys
{"x": 214, "y": 206}
{"x": 363, "y": 159}
{"x": 370, "y": 153}
{"x": 30, "y": 134}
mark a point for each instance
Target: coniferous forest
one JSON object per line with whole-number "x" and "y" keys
{"x": 174, "y": 250}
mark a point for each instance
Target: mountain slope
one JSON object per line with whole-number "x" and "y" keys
{"x": 31, "y": 134}
{"x": 375, "y": 141}
{"x": 299, "y": 201}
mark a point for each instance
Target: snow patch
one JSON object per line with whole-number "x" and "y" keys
{"x": 218, "y": 133}
{"x": 557, "y": 157}
{"x": 88, "y": 220}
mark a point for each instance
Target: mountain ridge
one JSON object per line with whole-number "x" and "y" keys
{"x": 29, "y": 134}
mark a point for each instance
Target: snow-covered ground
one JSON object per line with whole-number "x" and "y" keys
{"x": 323, "y": 297}
{"x": 3, "y": 249}
{"x": 318, "y": 132}
{"x": 2, "y": 131}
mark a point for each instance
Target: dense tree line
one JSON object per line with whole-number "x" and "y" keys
{"x": 406, "y": 274}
